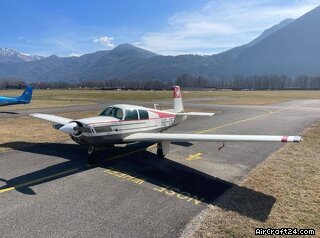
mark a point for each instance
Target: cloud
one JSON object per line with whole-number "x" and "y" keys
{"x": 73, "y": 54}
{"x": 104, "y": 40}
{"x": 221, "y": 24}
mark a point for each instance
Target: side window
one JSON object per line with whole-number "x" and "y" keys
{"x": 119, "y": 114}
{"x": 143, "y": 114}
{"x": 131, "y": 115}
{"x": 115, "y": 112}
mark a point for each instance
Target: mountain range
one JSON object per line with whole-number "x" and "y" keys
{"x": 290, "y": 48}
{"x": 11, "y": 55}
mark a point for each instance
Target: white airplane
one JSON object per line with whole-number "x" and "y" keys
{"x": 123, "y": 123}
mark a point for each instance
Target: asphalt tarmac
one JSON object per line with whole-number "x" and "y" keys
{"x": 48, "y": 190}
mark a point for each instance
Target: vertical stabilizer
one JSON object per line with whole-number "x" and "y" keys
{"x": 177, "y": 99}
{"x": 26, "y": 95}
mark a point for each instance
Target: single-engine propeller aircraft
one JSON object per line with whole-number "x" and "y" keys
{"x": 123, "y": 123}
{"x": 25, "y": 98}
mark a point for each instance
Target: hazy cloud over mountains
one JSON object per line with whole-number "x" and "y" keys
{"x": 221, "y": 25}
{"x": 104, "y": 40}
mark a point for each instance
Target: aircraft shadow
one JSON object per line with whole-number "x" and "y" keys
{"x": 14, "y": 113}
{"x": 145, "y": 165}
{"x": 184, "y": 144}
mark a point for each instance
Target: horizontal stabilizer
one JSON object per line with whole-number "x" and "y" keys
{"x": 206, "y": 114}
{"x": 52, "y": 118}
{"x": 157, "y": 137}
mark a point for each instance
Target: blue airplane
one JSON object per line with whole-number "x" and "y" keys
{"x": 25, "y": 98}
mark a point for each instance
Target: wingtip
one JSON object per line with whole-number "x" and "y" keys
{"x": 294, "y": 139}
{"x": 297, "y": 139}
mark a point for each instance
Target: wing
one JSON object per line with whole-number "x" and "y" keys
{"x": 207, "y": 114}
{"x": 158, "y": 137}
{"x": 52, "y": 118}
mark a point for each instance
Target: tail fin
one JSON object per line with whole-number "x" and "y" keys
{"x": 26, "y": 96}
{"x": 177, "y": 99}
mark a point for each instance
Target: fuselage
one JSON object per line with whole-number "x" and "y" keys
{"x": 25, "y": 98}
{"x": 119, "y": 121}
{"x": 5, "y": 101}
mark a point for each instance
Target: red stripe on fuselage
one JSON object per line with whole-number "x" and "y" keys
{"x": 108, "y": 122}
{"x": 284, "y": 139}
{"x": 163, "y": 114}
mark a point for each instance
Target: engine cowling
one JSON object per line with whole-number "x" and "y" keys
{"x": 76, "y": 128}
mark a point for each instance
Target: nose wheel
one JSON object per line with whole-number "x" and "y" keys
{"x": 93, "y": 156}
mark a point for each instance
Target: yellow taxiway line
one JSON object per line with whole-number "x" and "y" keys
{"x": 38, "y": 180}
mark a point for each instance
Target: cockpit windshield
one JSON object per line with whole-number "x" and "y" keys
{"x": 112, "y": 112}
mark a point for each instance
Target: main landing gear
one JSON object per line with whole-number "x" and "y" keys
{"x": 93, "y": 156}
{"x": 160, "y": 153}
{"x": 163, "y": 149}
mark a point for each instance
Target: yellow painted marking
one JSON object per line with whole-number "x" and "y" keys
{"x": 123, "y": 175}
{"x": 38, "y": 180}
{"x": 195, "y": 156}
{"x": 7, "y": 189}
{"x": 174, "y": 192}
{"x": 137, "y": 180}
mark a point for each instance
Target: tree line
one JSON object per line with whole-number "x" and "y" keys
{"x": 252, "y": 82}
{"x": 236, "y": 82}
{"x": 103, "y": 84}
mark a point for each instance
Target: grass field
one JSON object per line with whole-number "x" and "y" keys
{"x": 50, "y": 98}
{"x": 291, "y": 175}
{"x": 259, "y": 97}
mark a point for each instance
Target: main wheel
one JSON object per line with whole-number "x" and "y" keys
{"x": 160, "y": 153}
{"x": 93, "y": 158}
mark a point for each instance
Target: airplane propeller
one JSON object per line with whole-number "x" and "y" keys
{"x": 76, "y": 128}
{"x": 70, "y": 128}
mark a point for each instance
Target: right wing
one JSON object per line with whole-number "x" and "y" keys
{"x": 159, "y": 137}
{"x": 52, "y": 118}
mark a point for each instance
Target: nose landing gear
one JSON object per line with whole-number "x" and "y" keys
{"x": 93, "y": 156}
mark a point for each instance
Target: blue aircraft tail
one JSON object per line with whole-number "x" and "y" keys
{"x": 26, "y": 96}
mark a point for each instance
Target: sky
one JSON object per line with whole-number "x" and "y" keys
{"x": 167, "y": 27}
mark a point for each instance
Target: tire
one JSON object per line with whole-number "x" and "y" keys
{"x": 93, "y": 158}
{"x": 160, "y": 153}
